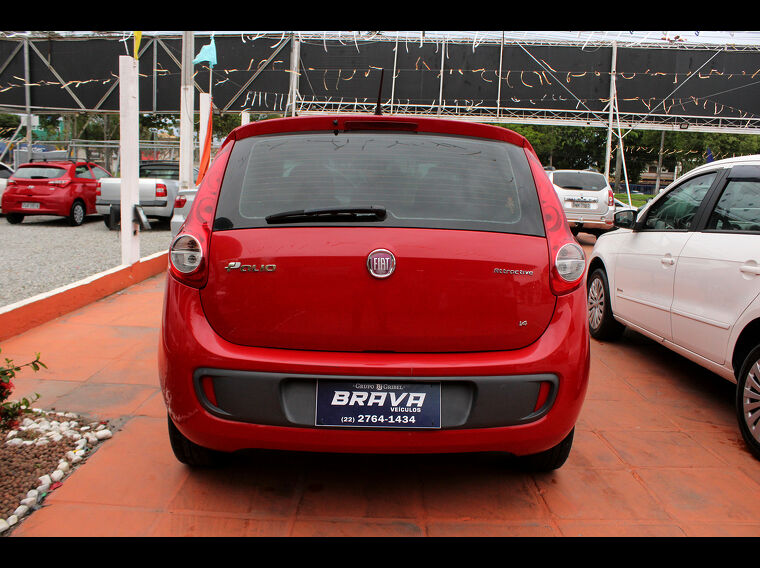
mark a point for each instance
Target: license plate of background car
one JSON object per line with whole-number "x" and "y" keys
{"x": 578, "y": 204}
{"x": 30, "y": 205}
{"x": 360, "y": 404}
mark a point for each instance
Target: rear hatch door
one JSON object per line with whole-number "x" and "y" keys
{"x": 38, "y": 180}
{"x": 582, "y": 192}
{"x": 460, "y": 217}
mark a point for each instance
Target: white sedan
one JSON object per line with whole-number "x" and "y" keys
{"x": 685, "y": 271}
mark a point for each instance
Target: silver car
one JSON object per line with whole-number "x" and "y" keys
{"x": 182, "y": 205}
{"x": 586, "y": 198}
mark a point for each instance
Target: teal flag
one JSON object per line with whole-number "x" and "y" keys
{"x": 207, "y": 53}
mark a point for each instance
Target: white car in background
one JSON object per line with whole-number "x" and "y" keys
{"x": 685, "y": 271}
{"x": 586, "y": 198}
{"x": 5, "y": 172}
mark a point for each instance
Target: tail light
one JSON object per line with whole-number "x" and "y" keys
{"x": 161, "y": 190}
{"x": 568, "y": 262}
{"x": 97, "y": 189}
{"x": 179, "y": 203}
{"x": 59, "y": 182}
{"x": 611, "y": 198}
{"x": 188, "y": 253}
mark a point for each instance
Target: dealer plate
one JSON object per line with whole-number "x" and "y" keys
{"x": 30, "y": 205}
{"x": 360, "y": 404}
{"x": 571, "y": 203}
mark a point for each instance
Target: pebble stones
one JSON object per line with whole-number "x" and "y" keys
{"x": 44, "y": 428}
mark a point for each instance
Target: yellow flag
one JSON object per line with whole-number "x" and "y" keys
{"x": 138, "y": 37}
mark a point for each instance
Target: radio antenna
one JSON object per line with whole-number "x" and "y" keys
{"x": 379, "y": 93}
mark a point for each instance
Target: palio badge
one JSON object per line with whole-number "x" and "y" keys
{"x": 236, "y": 265}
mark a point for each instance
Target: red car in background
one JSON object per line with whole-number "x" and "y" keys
{"x": 52, "y": 188}
{"x": 375, "y": 284}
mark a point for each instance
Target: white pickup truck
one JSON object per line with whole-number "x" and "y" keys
{"x": 158, "y": 187}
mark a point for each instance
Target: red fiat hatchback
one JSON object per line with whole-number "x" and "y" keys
{"x": 52, "y": 188}
{"x": 375, "y": 284}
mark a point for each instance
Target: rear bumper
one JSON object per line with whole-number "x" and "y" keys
{"x": 589, "y": 220}
{"x": 158, "y": 208}
{"x": 266, "y": 395}
{"x": 48, "y": 205}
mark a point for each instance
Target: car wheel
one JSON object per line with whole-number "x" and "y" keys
{"x": 76, "y": 216}
{"x": 14, "y": 218}
{"x": 601, "y": 323}
{"x": 748, "y": 401}
{"x": 548, "y": 460}
{"x": 191, "y": 453}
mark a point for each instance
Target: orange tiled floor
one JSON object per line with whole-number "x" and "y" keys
{"x": 657, "y": 453}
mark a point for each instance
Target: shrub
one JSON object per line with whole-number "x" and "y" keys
{"x": 10, "y": 410}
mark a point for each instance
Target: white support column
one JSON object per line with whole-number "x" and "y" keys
{"x": 613, "y": 95}
{"x": 187, "y": 110}
{"x": 129, "y": 147}
{"x": 204, "y": 107}
{"x": 245, "y": 118}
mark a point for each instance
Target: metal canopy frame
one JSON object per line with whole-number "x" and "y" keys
{"x": 574, "y": 113}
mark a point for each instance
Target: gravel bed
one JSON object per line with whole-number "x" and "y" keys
{"x": 38, "y": 455}
{"x": 44, "y": 252}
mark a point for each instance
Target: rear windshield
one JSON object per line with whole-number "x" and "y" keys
{"x": 580, "y": 180}
{"x": 39, "y": 172}
{"x": 422, "y": 180}
{"x": 163, "y": 172}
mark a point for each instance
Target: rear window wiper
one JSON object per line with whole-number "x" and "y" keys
{"x": 372, "y": 213}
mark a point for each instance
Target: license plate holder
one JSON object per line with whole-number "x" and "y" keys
{"x": 30, "y": 205}
{"x": 378, "y": 405}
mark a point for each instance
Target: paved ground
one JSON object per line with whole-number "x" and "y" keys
{"x": 44, "y": 252}
{"x": 657, "y": 453}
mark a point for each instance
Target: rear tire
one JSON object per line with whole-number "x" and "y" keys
{"x": 548, "y": 460}
{"x": 14, "y": 218}
{"x": 77, "y": 214}
{"x": 747, "y": 395}
{"x": 191, "y": 453}
{"x": 601, "y": 323}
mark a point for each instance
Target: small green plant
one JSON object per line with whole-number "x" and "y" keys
{"x": 10, "y": 410}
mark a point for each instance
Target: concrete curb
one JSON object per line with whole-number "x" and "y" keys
{"x": 21, "y": 316}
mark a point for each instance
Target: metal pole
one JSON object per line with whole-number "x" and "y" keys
{"x": 659, "y": 164}
{"x": 295, "y": 54}
{"x": 498, "y": 95}
{"x": 187, "y": 110}
{"x": 129, "y": 157}
{"x": 440, "y": 89}
{"x": 155, "y": 73}
{"x": 28, "y": 102}
{"x": 393, "y": 81}
{"x": 612, "y": 98}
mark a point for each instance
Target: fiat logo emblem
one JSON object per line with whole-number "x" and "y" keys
{"x": 381, "y": 263}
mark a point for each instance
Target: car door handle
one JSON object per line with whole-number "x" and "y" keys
{"x": 668, "y": 260}
{"x": 750, "y": 269}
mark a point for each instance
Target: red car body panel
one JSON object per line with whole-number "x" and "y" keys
{"x": 263, "y": 325}
{"x": 55, "y": 195}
